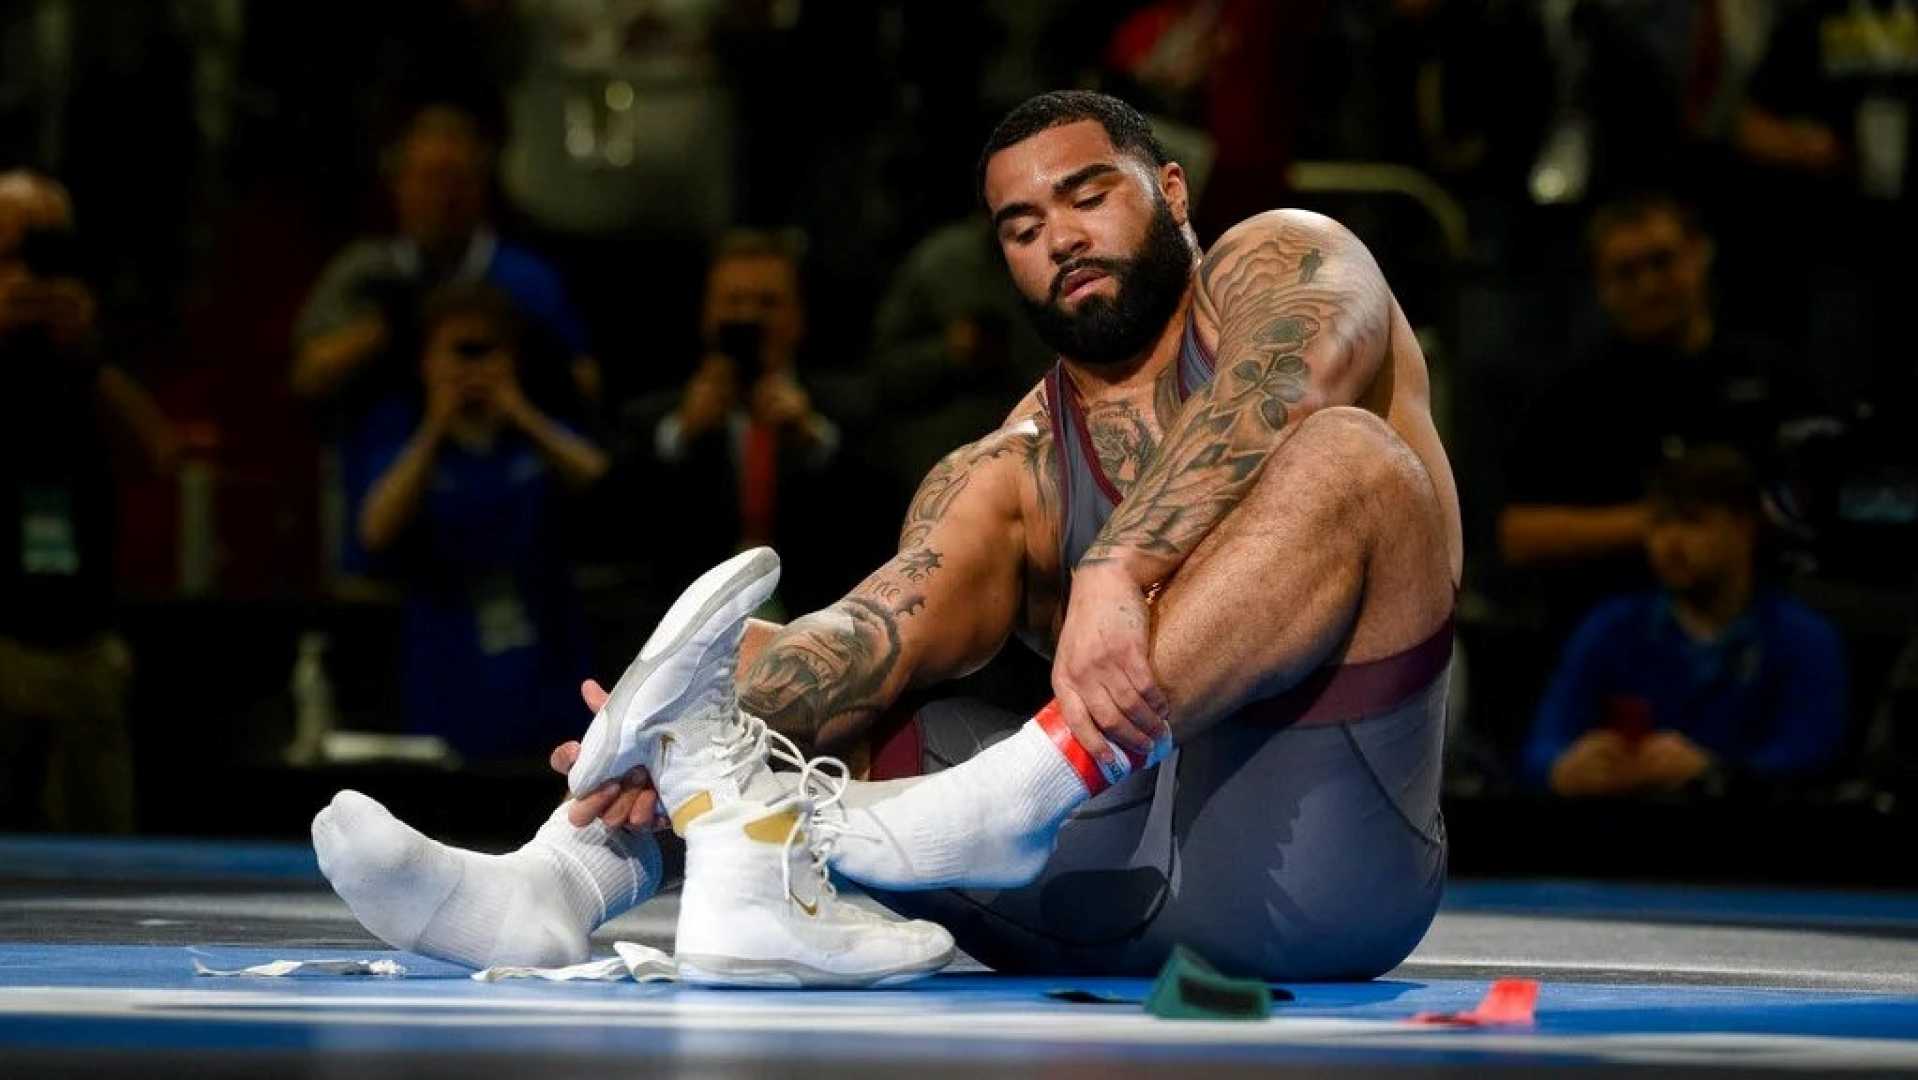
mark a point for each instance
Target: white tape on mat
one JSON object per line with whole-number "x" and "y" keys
{"x": 278, "y": 968}
{"x": 637, "y": 962}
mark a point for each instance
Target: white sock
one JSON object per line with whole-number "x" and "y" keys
{"x": 988, "y": 822}
{"x": 536, "y": 906}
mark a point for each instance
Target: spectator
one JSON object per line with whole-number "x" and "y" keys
{"x": 1664, "y": 376}
{"x": 1834, "y": 95}
{"x": 743, "y": 444}
{"x": 952, "y": 351}
{"x": 65, "y": 758}
{"x": 1714, "y": 673}
{"x": 364, "y": 309}
{"x": 457, "y": 494}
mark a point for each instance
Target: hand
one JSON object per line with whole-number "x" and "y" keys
{"x": 1101, "y": 673}
{"x": 1817, "y": 149}
{"x": 1668, "y": 761}
{"x": 1599, "y": 763}
{"x": 782, "y": 404}
{"x": 509, "y": 399}
{"x": 446, "y": 392}
{"x": 709, "y": 397}
{"x": 629, "y": 802}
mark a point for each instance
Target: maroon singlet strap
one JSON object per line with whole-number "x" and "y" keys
{"x": 1349, "y": 692}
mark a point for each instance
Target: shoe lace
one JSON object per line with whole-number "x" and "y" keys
{"x": 747, "y": 740}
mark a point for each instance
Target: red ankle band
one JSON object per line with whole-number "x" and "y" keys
{"x": 1053, "y": 723}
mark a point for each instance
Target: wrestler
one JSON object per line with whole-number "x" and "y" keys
{"x": 1227, "y": 516}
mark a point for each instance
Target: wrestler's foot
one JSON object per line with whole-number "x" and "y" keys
{"x": 533, "y": 907}
{"x": 759, "y": 907}
{"x": 1012, "y": 798}
{"x": 674, "y": 710}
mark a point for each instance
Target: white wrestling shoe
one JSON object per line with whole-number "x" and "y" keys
{"x": 674, "y": 710}
{"x": 759, "y": 907}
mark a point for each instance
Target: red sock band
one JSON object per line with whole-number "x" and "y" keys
{"x": 1053, "y": 723}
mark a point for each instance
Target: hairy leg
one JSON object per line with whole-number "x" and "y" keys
{"x": 1338, "y": 554}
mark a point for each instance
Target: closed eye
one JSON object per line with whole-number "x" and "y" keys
{"x": 1090, "y": 201}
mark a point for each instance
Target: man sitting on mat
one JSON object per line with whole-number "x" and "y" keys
{"x": 1246, "y": 584}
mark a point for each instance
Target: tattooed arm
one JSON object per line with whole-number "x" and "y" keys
{"x": 1304, "y": 317}
{"x": 939, "y": 608}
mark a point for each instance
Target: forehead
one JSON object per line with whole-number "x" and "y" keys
{"x": 754, "y": 273}
{"x": 439, "y": 148}
{"x": 466, "y": 324}
{"x": 1655, "y": 229}
{"x": 1026, "y": 170}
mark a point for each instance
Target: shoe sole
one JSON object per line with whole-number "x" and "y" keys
{"x": 705, "y": 969}
{"x": 659, "y": 677}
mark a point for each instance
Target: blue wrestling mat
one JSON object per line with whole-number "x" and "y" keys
{"x": 98, "y": 943}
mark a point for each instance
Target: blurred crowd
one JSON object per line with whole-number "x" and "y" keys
{"x": 414, "y": 355}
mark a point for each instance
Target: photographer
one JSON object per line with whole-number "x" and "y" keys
{"x": 65, "y": 760}
{"x": 365, "y": 308}
{"x": 742, "y": 442}
{"x": 460, "y": 492}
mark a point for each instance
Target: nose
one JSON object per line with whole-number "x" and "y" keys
{"x": 1068, "y": 241}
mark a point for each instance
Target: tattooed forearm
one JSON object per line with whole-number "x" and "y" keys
{"x": 823, "y": 677}
{"x": 1295, "y": 324}
{"x": 828, "y": 670}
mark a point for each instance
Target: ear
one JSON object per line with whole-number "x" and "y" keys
{"x": 1172, "y": 186}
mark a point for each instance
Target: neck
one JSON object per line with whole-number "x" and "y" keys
{"x": 1706, "y": 612}
{"x": 1141, "y": 370}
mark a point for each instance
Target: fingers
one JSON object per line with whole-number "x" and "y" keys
{"x": 583, "y": 810}
{"x": 621, "y": 808}
{"x": 563, "y": 757}
{"x": 1125, "y": 719}
{"x": 645, "y": 811}
{"x": 1079, "y": 721}
{"x": 594, "y": 695}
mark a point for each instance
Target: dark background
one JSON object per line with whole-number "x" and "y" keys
{"x": 219, "y": 152}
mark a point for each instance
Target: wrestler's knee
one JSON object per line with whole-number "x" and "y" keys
{"x": 1349, "y": 458}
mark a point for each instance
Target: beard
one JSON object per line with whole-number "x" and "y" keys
{"x": 1109, "y": 331}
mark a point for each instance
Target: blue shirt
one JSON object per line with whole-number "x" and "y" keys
{"x": 495, "y": 646}
{"x": 1767, "y": 697}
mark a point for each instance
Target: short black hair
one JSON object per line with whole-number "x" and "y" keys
{"x": 1123, "y": 124}
{"x": 1634, "y": 207}
{"x": 1710, "y": 477}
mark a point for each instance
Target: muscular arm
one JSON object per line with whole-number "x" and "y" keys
{"x": 1304, "y": 317}
{"x": 939, "y": 608}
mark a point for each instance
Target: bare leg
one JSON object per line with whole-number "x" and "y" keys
{"x": 1338, "y": 554}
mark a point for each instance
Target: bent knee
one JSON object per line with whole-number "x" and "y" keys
{"x": 1355, "y": 458}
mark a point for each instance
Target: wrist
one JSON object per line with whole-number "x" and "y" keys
{"x": 1116, "y": 563}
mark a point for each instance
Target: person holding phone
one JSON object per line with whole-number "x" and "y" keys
{"x": 744, "y": 435}
{"x": 66, "y": 759}
{"x": 459, "y": 496}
